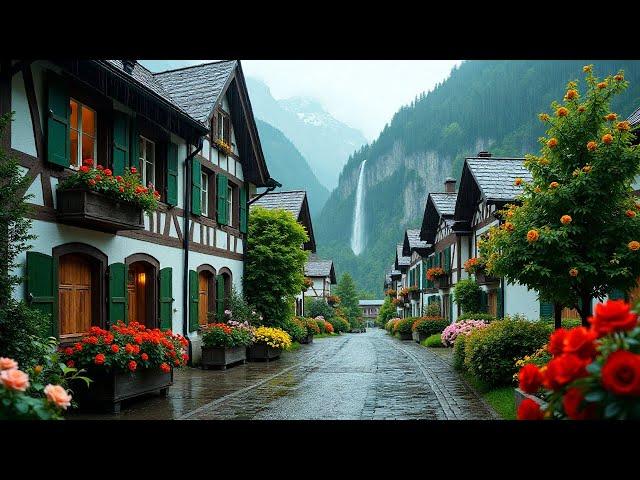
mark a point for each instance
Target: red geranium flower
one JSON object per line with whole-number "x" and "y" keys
{"x": 572, "y": 403}
{"x": 78, "y": 346}
{"x": 612, "y": 316}
{"x": 530, "y": 378}
{"x": 580, "y": 342}
{"x": 84, "y": 169}
{"x": 115, "y": 348}
{"x": 87, "y": 161}
{"x": 71, "y": 364}
{"x": 132, "y": 365}
{"x": 99, "y": 359}
{"x": 68, "y": 351}
{"x": 91, "y": 182}
{"x": 176, "y": 362}
{"x": 128, "y": 348}
{"x": 165, "y": 368}
{"x": 134, "y": 170}
{"x": 621, "y": 373}
{"x": 556, "y": 342}
{"x": 564, "y": 369}
{"x": 100, "y": 167}
{"x": 118, "y": 178}
{"x": 98, "y": 178}
{"x": 144, "y": 357}
{"x": 108, "y": 172}
{"x": 529, "y": 410}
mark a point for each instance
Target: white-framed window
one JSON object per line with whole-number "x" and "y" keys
{"x": 147, "y": 150}
{"x": 230, "y": 204}
{"x": 204, "y": 192}
{"x": 83, "y": 133}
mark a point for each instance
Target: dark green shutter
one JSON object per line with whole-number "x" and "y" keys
{"x": 172, "y": 174}
{"x": 117, "y": 293}
{"x": 447, "y": 259}
{"x": 196, "y": 187}
{"x": 243, "y": 210}
{"x": 194, "y": 300}
{"x": 42, "y": 288}
{"x": 450, "y": 308}
{"x": 221, "y": 194}
{"x": 546, "y": 310}
{"x": 121, "y": 143}
{"x": 484, "y": 301}
{"x": 58, "y": 121}
{"x": 500, "y": 302}
{"x": 616, "y": 294}
{"x": 219, "y": 298}
{"x": 166, "y": 298}
{"x": 134, "y": 145}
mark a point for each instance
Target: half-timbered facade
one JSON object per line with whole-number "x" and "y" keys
{"x": 416, "y": 250}
{"x": 322, "y": 273}
{"x": 402, "y": 264}
{"x": 178, "y": 268}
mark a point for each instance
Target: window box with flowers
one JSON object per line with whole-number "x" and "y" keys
{"x": 414, "y": 292}
{"x": 222, "y": 146}
{"x": 124, "y": 362}
{"x": 477, "y": 266}
{"x": 94, "y": 198}
{"x": 268, "y": 344}
{"x": 225, "y": 344}
{"x": 390, "y": 292}
{"x": 439, "y": 277}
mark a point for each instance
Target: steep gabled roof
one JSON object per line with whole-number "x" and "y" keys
{"x": 634, "y": 118}
{"x": 439, "y": 205}
{"x": 402, "y": 263}
{"x": 294, "y": 202}
{"x": 198, "y": 88}
{"x": 316, "y": 267}
{"x": 413, "y": 243}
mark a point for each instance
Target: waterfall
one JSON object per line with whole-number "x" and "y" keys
{"x": 357, "y": 237}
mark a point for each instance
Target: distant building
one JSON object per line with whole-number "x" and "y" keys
{"x": 370, "y": 310}
{"x": 322, "y": 274}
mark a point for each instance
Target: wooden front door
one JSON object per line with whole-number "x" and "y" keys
{"x": 137, "y": 285}
{"x": 74, "y": 295}
{"x": 204, "y": 281}
{"x": 492, "y": 303}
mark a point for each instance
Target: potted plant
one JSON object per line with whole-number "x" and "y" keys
{"x": 268, "y": 343}
{"x": 390, "y": 292}
{"x": 478, "y": 267}
{"x": 312, "y": 329}
{"x": 414, "y": 292}
{"x": 439, "y": 276}
{"x": 125, "y": 361}
{"x": 224, "y": 344}
{"x": 94, "y": 198}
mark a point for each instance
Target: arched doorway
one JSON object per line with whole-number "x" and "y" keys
{"x": 142, "y": 289}
{"x": 223, "y": 292}
{"x": 206, "y": 293}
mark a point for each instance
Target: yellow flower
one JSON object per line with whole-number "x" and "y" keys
{"x": 587, "y": 68}
{"x": 611, "y": 116}
{"x": 544, "y": 117}
{"x": 562, "y": 112}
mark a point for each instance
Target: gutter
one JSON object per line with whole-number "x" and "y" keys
{"x": 271, "y": 185}
{"x": 185, "y": 242}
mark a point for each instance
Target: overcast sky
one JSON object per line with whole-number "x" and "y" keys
{"x": 361, "y": 93}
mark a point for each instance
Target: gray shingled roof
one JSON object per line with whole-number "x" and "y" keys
{"x": 402, "y": 260}
{"x": 370, "y": 303}
{"x": 445, "y": 203}
{"x": 289, "y": 201}
{"x": 316, "y": 267}
{"x": 496, "y": 176}
{"x": 414, "y": 239}
{"x": 196, "y": 89}
{"x": 634, "y": 118}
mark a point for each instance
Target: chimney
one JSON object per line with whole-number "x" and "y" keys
{"x": 128, "y": 65}
{"x": 450, "y": 185}
{"x": 484, "y": 154}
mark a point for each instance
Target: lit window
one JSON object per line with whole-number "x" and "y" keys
{"x": 204, "y": 183}
{"x": 147, "y": 161}
{"x": 83, "y": 133}
{"x": 230, "y": 204}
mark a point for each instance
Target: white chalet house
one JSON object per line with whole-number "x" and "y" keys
{"x": 416, "y": 249}
{"x": 322, "y": 273}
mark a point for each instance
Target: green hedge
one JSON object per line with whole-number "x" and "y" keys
{"x": 477, "y": 316}
{"x": 430, "y": 325}
{"x": 404, "y": 326}
{"x": 433, "y": 341}
{"x": 458, "y": 352}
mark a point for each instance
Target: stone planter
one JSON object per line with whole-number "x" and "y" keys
{"x": 261, "y": 352}
{"x": 405, "y": 336}
{"x": 483, "y": 279}
{"x": 441, "y": 282}
{"x": 109, "y": 388}
{"x": 519, "y": 396}
{"x": 306, "y": 340}
{"x": 418, "y": 337}
{"x": 221, "y": 357}
{"x": 88, "y": 209}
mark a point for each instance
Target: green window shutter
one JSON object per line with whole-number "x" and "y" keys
{"x": 243, "y": 210}
{"x": 500, "y": 303}
{"x": 450, "y": 307}
{"x": 58, "y": 121}
{"x": 484, "y": 301}
{"x": 121, "y": 142}
{"x": 172, "y": 174}
{"x": 42, "y": 288}
{"x": 194, "y": 299}
{"x": 447, "y": 258}
{"x": 219, "y": 298}
{"x": 616, "y": 294}
{"x": 166, "y": 298}
{"x": 221, "y": 194}
{"x": 117, "y": 293}
{"x": 546, "y": 309}
{"x": 196, "y": 187}
{"x": 134, "y": 145}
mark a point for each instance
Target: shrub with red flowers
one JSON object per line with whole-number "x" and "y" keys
{"x": 226, "y": 335}
{"x": 126, "y": 187}
{"x": 128, "y": 347}
{"x": 594, "y": 372}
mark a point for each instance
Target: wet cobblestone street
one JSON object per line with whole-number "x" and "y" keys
{"x": 367, "y": 376}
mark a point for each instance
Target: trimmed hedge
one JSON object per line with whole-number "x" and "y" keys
{"x": 477, "y": 316}
{"x": 429, "y": 325}
{"x": 403, "y": 327}
{"x": 458, "y": 352}
{"x": 340, "y": 325}
{"x": 433, "y": 341}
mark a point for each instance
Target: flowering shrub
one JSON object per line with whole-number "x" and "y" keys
{"x": 391, "y": 324}
{"x": 429, "y": 325}
{"x": 227, "y": 335}
{"x": 435, "y": 272}
{"x": 538, "y": 358}
{"x": 312, "y": 326}
{"x": 403, "y": 292}
{"x": 594, "y": 372}
{"x": 333, "y": 299}
{"x": 403, "y": 327}
{"x": 273, "y": 337}
{"x": 307, "y": 284}
{"x": 17, "y": 404}
{"x": 397, "y": 301}
{"x": 126, "y": 187}
{"x": 390, "y": 292}
{"x": 127, "y": 347}
{"x": 464, "y": 327}
{"x": 296, "y": 329}
{"x": 340, "y": 324}
{"x": 328, "y": 327}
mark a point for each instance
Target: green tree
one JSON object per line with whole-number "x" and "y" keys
{"x": 387, "y": 311}
{"x": 467, "y": 294}
{"x": 318, "y": 307}
{"x": 575, "y": 234}
{"x": 349, "y": 304}
{"x": 274, "y": 266}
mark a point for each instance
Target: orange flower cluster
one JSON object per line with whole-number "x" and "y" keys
{"x": 552, "y": 143}
{"x": 554, "y": 185}
{"x": 611, "y": 116}
{"x": 517, "y": 182}
{"x": 562, "y": 112}
{"x": 607, "y": 138}
{"x": 532, "y": 236}
{"x": 566, "y": 219}
{"x": 591, "y": 146}
{"x": 623, "y": 126}
{"x": 573, "y": 272}
{"x": 602, "y": 85}
{"x": 571, "y": 94}
{"x": 630, "y": 213}
{"x": 509, "y": 227}
{"x": 634, "y": 245}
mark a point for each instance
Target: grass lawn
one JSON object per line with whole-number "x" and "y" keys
{"x": 501, "y": 399}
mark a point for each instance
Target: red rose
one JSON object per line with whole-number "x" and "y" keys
{"x": 118, "y": 178}
{"x": 132, "y": 365}
{"x": 134, "y": 170}
{"x": 115, "y": 348}
{"x": 84, "y": 169}
{"x": 564, "y": 369}
{"x": 87, "y": 161}
{"x": 100, "y": 167}
{"x": 71, "y": 364}
{"x": 128, "y": 348}
{"x": 612, "y": 316}
{"x": 621, "y": 373}
{"x": 529, "y": 410}
{"x": 556, "y": 342}
{"x": 78, "y": 347}
{"x": 165, "y": 368}
{"x": 530, "y": 378}
{"x": 144, "y": 357}
{"x": 572, "y": 403}
{"x": 99, "y": 360}
{"x": 68, "y": 351}
{"x": 108, "y": 172}
{"x": 91, "y": 182}
{"x": 580, "y": 342}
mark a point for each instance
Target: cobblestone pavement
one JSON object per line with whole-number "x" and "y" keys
{"x": 356, "y": 376}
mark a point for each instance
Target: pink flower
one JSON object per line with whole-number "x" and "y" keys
{"x": 58, "y": 395}
{"x": 14, "y": 379}
{"x": 8, "y": 363}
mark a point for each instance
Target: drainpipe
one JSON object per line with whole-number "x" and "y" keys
{"x": 271, "y": 185}
{"x": 185, "y": 242}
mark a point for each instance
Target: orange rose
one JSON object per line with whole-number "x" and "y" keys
{"x": 532, "y": 236}
{"x": 586, "y": 168}
{"x": 14, "y": 379}
{"x": 634, "y": 245}
{"x": 554, "y": 185}
{"x": 573, "y": 272}
{"x": 518, "y": 182}
{"x": 591, "y": 146}
{"x": 607, "y": 138}
{"x": 602, "y": 85}
{"x": 508, "y": 226}
{"x": 544, "y": 117}
{"x": 630, "y": 213}
{"x": 58, "y": 396}
{"x": 562, "y": 112}
{"x": 581, "y": 108}
{"x": 611, "y": 116}
{"x": 571, "y": 94}
{"x": 623, "y": 126}
{"x": 552, "y": 143}
{"x": 565, "y": 219}
{"x": 8, "y": 363}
